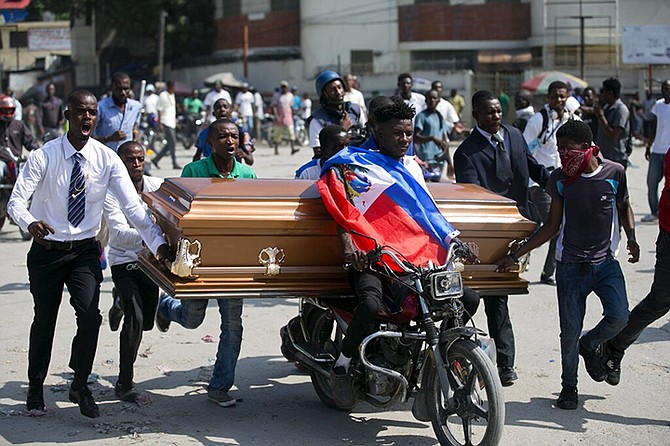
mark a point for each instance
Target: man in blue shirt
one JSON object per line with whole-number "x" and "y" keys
{"x": 118, "y": 115}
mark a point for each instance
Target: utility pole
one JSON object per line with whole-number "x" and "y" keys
{"x": 161, "y": 43}
{"x": 245, "y": 47}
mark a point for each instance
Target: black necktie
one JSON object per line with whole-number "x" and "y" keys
{"x": 503, "y": 163}
{"x": 76, "y": 206}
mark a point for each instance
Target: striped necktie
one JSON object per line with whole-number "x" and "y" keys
{"x": 76, "y": 205}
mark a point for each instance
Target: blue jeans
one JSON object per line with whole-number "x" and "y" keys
{"x": 654, "y": 177}
{"x": 190, "y": 313}
{"x": 575, "y": 281}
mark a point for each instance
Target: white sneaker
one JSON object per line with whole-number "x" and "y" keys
{"x": 649, "y": 218}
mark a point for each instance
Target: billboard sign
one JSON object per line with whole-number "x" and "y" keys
{"x": 646, "y": 44}
{"x": 49, "y": 39}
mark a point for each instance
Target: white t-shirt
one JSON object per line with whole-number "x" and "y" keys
{"x": 356, "y": 97}
{"x": 211, "y": 98}
{"x": 448, "y": 112}
{"x": 306, "y": 108}
{"x": 258, "y": 102}
{"x": 168, "y": 109}
{"x": 151, "y": 104}
{"x": 662, "y": 139}
{"x": 418, "y": 101}
{"x": 544, "y": 148}
{"x": 245, "y": 102}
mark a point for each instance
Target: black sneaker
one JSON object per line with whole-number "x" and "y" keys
{"x": 343, "y": 387}
{"x": 547, "y": 280}
{"x": 568, "y": 399}
{"x": 507, "y": 376}
{"x": 162, "y": 323}
{"x": 127, "y": 394}
{"x": 613, "y": 359}
{"x": 35, "y": 400}
{"x": 593, "y": 360}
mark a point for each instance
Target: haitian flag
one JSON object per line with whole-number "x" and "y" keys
{"x": 376, "y": 195}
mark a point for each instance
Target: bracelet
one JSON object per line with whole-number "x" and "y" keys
{"x": 514, "y": 257}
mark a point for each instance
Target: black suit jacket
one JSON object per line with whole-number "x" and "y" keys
{"x": 474, "y": 162}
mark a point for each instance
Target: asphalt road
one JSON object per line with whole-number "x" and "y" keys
{"x": 279, "y": 405}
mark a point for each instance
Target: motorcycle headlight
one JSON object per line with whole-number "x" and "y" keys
{"x": 446, "y": 285}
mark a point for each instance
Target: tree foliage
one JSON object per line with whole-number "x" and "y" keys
{"x": 131, "y": 26}
{"x": 37, "y": 8}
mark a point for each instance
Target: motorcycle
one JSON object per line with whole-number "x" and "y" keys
{"x": 14, "y": 164}
{"x": 452, "y": 378}
{"x": 149, "y": 137}
{"x": 432, "y": 171}
{"x": 188, "y": 127}
{"x": 301, "y": 132}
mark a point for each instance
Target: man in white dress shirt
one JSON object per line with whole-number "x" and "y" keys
{"x": 68, "y": 179}
{"x": 137, "y": 294}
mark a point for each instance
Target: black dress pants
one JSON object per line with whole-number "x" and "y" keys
{"x": 49, "y": 270}
{"x": 500, "y": 329}
{"x": 139, "y": 297}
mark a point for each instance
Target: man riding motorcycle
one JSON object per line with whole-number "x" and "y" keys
{"x": 13, "y": 134}
{"x": 347, "y": 179}
{"x": 334, "y": 110}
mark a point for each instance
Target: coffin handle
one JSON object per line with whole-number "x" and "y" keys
{"x": 187, "y": 257}
{"x": 271, "y": 258}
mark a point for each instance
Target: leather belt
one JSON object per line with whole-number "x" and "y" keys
{"x": 63, "y": 246}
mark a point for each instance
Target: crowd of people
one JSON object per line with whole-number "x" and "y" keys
{"x": 564, "y": 166}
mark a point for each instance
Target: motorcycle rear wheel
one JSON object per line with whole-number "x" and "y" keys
{"x": 327, "y": 334}
{"x": 476, "y": 414}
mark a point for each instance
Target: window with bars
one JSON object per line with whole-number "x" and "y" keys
{"x": 362, "y": 62}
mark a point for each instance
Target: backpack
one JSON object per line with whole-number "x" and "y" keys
{"x": 545, "y": 122}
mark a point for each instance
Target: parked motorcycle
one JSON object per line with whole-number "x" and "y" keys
{"x": 188, "y": 127}
{"x": 454, "y": 382}
{"x": 14, "y": 165}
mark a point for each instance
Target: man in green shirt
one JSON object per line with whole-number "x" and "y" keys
{"x": 224, "y": 138}
{"x": 193, "y": 104}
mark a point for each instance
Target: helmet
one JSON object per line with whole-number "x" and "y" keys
{"x": 150, "y": 87}
{"x": 7, "y": 108}
{"x": 325, "y": 78}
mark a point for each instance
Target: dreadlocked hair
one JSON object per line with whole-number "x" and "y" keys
{"x": 575, "y": 131}
{"x": 397, "y": 109}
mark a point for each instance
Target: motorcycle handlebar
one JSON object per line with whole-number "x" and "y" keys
{"x": 375, "y": 254}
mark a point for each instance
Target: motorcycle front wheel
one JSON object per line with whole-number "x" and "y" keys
{"x": 475, "y": 411}
{"x": 324, "y": 332}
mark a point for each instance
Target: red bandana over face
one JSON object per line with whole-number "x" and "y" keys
{"x": 575, "y": 161}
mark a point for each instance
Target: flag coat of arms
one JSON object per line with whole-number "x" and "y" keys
{"x": 376, "y": 195}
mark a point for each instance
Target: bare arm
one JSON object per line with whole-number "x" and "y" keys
{"x": 352, "y": 254}
{"x": 650, "y": 141}
{"x": 545, "y": 233}
{"x": 611, "y": 132}
{"x": 628, "y": 223}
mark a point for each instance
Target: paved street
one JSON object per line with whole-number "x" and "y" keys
{"x": 279, "y": 405}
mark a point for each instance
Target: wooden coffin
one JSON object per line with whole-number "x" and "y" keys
{"x": 274, "y": 238}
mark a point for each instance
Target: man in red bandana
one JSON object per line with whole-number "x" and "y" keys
{"x": 589, "y": 197}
